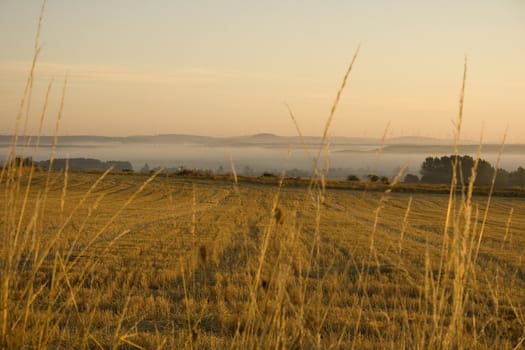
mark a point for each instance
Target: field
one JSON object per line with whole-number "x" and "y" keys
{"x": 126, "y": 261}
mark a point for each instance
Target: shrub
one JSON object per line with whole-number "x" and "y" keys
{"x": 266, "y": 174}
{"x": 385, "y": 180}
{"x": 411, "y": 178}
{"x": 352, "y": 178}
{"x": 372, "y": 178}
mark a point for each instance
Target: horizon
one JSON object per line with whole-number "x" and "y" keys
{"x": 263, "y": 152}
{"x": 417, "y": 140}
{"x": 231, "y": 68}
{"x": 269, "y": 134}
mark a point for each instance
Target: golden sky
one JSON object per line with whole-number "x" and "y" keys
{"x": 224, "y": 68}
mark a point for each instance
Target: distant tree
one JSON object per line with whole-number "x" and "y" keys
{"x": 352, "y": 178}
{"x": 411, "y": 178}
{"x": 437, "y": 170}
{"x": 502, "y": 178}
{"x": 74, "y": 164}
{"x": 485, "y": 173}
{"x": 268, "y": 174}
{"x": 517, "y": 177}
{"x": 23, "y": 162}
{"x": 385, "y": 180}
{"x": 440, "y": 170}
{"x": 372, "y": 178}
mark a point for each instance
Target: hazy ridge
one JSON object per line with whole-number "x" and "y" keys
{"x": 396, "y": 144}
{"x": 263, "y": 152}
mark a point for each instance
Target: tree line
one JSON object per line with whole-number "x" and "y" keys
{"x": 74, "y": 164}
{"x": 440, "y": 170}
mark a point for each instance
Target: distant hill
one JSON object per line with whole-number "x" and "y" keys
{"x": 420, "y": 140}
{"x": 446, "y": 149}
{"x": 396, "y": 144}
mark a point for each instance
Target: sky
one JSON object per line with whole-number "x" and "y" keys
{"x": 231, "y": 67}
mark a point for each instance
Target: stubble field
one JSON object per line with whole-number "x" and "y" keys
{"x": 196, "y": 263}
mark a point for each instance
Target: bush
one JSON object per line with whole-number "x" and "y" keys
{"x": 411, "y": 179}
{"x": 372, "y": 178}
{"x": 385, "y": 180}
{"x": 353, "y": 178}
{"x": 266, "y": 174}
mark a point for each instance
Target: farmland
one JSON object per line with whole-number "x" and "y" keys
{"x": 111, "y": 261}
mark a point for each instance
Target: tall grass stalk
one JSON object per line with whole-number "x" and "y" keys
{"x": 27, "y": 250}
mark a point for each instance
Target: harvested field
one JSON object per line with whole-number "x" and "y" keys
{"x": 199, "y": 263}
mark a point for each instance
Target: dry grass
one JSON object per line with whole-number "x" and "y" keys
{"x": 205, "y": 265}
{"x": 125, "y": 261}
